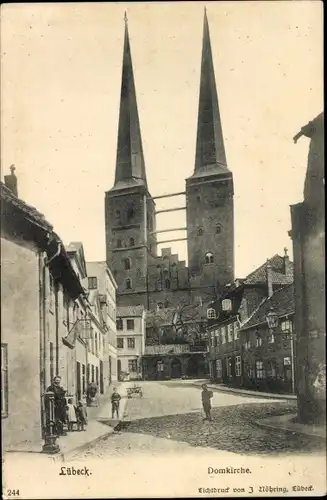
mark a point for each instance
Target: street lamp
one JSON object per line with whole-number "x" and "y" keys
{"x": 272, "y": 319}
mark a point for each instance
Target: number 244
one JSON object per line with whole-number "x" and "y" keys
{"x": 13, "y": 493}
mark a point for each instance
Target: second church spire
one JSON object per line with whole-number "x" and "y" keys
{"x": 210, "y": 149}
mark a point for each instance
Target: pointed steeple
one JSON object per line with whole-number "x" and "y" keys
{"x": 130, "y": 167}
{"x": 210, "y": 149}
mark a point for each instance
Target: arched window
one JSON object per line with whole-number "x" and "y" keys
{"x": 211, "y": 313}
{"x": 200, "y": 231}
{"x": 119, "y": 244}
{"x": 127, "y": 264}
{"x": 131, "y": 242}
{"x": 226, "y": 305}
{"x": 128, "y": 283}
{"x": 218, "y": 228}
{"x": 209, "y": 258}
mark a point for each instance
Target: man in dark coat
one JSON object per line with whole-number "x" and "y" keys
{"x": 59, "y": 405}
{"x": 206, "y": 401}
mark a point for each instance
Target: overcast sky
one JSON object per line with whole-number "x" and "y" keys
{"x": 60, "y": 86}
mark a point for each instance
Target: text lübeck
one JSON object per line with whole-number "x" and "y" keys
{"x": 74, "y": 471}
{"x": 229, "y": 470}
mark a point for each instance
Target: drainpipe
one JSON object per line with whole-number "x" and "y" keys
{"x": 41, "y": 338}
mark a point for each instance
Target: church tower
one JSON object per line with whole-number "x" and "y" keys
{"x": 129, "y": 208}
{"x": 209, "y": 191}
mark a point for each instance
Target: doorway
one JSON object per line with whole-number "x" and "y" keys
{"x": 176, "y": 368}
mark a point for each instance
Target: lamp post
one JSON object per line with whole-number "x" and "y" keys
{"x": 272, "y": 321}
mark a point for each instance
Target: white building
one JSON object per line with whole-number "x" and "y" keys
{"x": 102, "y": 288}
{"x": 130, "y": 325}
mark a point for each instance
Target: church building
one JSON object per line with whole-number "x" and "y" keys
{"x": 146, "y": 275}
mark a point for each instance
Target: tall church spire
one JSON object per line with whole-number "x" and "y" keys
{"x": 210, "y": 149}
{"x": 130, "y": 167}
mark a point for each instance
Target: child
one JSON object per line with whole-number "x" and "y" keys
{"x": 206, "y": 403}
{"x": 81, "y": 416}
{"x": 71, "y": 414}
{"x": 115, "y": 400}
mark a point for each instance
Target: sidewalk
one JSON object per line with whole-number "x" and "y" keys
{"x": 100, "y": 425}
{"x": 236, "y": 390}
{"x": 286, "y": 423}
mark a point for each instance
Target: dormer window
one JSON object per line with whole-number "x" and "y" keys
{"x": 209, "y": 258}
{"x": 226, "y": 305}
{"x": 211, "y": 313}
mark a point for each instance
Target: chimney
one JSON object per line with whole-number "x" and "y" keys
{"x": 11, "y": 181}
{"x": 288, "y": 271}
{"x": 269, "y": 279}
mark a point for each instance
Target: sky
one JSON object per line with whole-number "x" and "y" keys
{"x": 60, "y": 89}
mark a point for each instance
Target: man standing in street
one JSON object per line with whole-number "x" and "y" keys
{"x": 206, "y": 401}
{"x": 59, "y": 405}
{"x": 115, "y": 401}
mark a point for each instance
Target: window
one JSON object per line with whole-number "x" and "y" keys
{"x": 260, "y": 372}
{"x": 130, "y": 324}
{"x": 4, "y": 380}
{"x": 130, "y": 213}
{"x": 92, "y": 380}
{"x": 229, "y": 367}
{"x": 209, "y": 258}
{"x": 128, "y": 284}
{"x": 226, "y": 305}
{"x": 83, "y": 380}
{"x": 272, "y": 372}
{"x": 223, "y": 335}
{"x": 131, "y": 343}
{"x": 211, "y": 313}
{"x": 92, "y": 283}
{"x": 236, "y": 331}
{"x": 271, "y": 338}
{"x": 287, "y": 361}
{"x": 131, "y": 242}
{"x": 250, "y": 371}
{"x": 258, "y": 341}
{"x": 119, "y": 324}
{"x": 97, "y": 375}
{"x": 247, "y": 345}
{"x": 218, "y": 228}
{"x": 119, "y": 243}
{"x": 120, "y": 343}
{"x": 127, "y": 264}
{"x": 238, "y": 366}
{"x": 286, "y": 326}
{"x": 96, "y": 343}
{"x": 117, "y": 213}
{"x": 167, "y": 284}
{"x": 132, "y": 365}
{"x": 200, "y": 231}
{"x": 218, "y": 368}
{"x": 230, "y": 332}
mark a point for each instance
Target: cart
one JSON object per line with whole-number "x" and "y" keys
{"x": 136, "y": 389}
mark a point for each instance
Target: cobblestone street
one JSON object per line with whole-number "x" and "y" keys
{"x": 169, "y": 418}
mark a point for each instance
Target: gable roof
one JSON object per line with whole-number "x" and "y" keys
{"x": 259, "y": 275}
{"x": 282, "y": 302}
{"x": 28, "y": 211}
